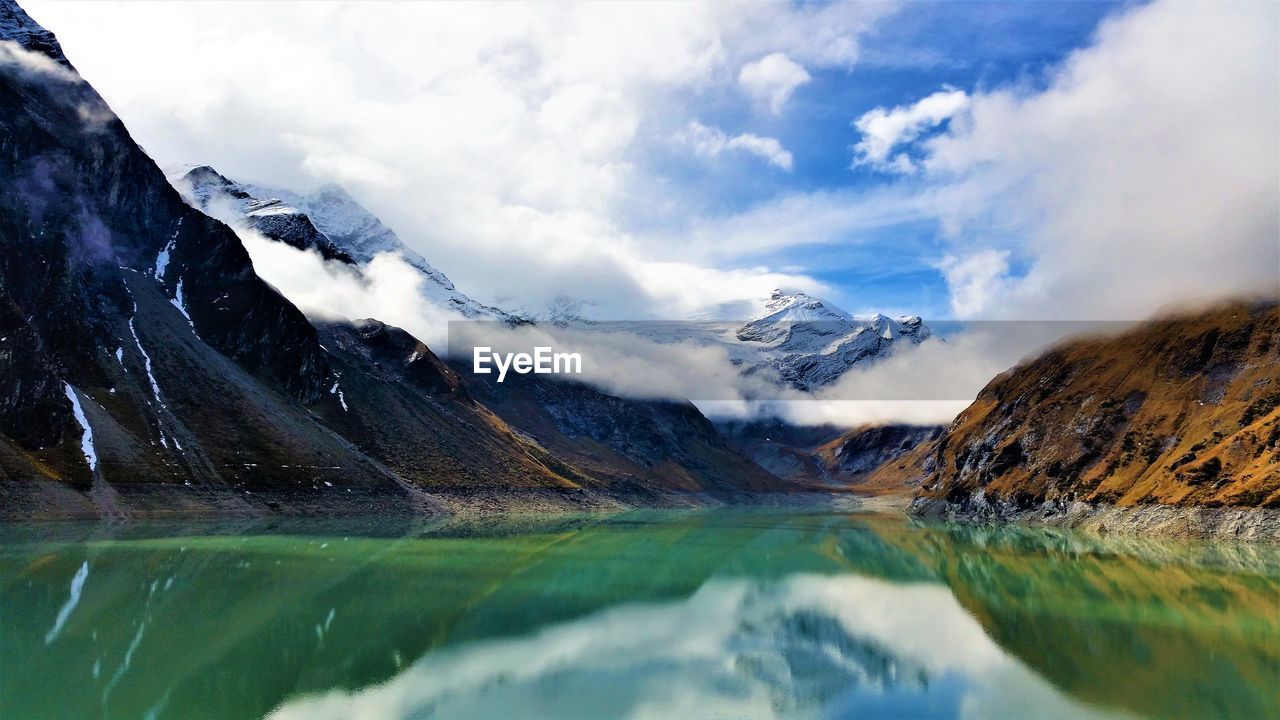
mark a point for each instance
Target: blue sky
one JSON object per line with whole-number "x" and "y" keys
{"x": 912, "y": 53}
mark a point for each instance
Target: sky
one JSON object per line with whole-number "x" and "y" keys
{"x": 953, "y": 160}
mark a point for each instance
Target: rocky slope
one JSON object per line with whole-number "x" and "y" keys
{"x": 1183, "y": 411}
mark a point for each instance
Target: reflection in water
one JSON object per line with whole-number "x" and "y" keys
{"x": 808, "y": 645}
{"x": 729, "y": 614}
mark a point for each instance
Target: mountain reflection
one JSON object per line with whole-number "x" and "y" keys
{"x": 804, "y": 646}
{"x": 729, "y": 614}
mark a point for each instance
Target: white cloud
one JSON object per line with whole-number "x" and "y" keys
{"x": 885, "y": 129}
{"x": 609, "y": 662}
{"x": 1146, "y": 173}
{"x": 711, "y": 141}
{"x": 386, "y": 289}
{"x": 976, "y": 282}
{"x": 772, "y": 79}
{"x": 33, "y": 64}
{"x": 503, "y": 142}
{"x": 930, "y": 383}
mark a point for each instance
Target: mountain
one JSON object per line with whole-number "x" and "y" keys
{"x": 222, "y": 199}
{"x": 824, "y": 455}
{"x": 643, "y": 446}
{"x": 797, "y": 341}
{"x": 1182, "y": 411}
{"x": 146, "y": 369}
{"x": 800, "y": 341}
{"x": 328, "y": 221}
{"x": 810, "y": 343}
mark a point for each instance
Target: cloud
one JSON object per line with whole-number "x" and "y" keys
{"x": 1146, "y": 173}
{"x": 772, "y": 79}
{"x": 976, "y": 281}
{"x": 930, "y": 383}
{"x": 510, "y": 144}
{"x": 884, "y": 129}
{"x": 885, "y": 638}
{"x": 34, "y": 64}
{"x": 387, "y": 288}
{"x": 711, "y": 141}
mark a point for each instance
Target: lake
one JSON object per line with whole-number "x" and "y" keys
{"x": 724, "y": 614}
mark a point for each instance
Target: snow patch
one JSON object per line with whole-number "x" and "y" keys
{"x": 146, "y": 362}
{"x": 181, "y": 304}
{"x": 86, "y": 439}
{"x": 162, "y": 260}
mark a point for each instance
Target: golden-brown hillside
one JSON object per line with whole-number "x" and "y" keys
{"x": 1181, "y": 411}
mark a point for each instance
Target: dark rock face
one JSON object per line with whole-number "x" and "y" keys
{"x": 297, "y": 230}
{"x": 192, "y": 373}
{"x": 84, "y": 209}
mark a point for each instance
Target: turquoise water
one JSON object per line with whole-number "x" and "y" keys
{"x": 729, "y": 614}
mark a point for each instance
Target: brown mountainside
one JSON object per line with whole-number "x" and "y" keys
{"x": 1179, "y": 411}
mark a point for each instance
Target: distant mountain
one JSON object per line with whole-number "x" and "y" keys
{"x": 797, "y": 340}
{"x": 824, "y": 455}
{"x": 811, "y": 343}
{"x": 328, "y": 221}
{"x": 803, "y": 342}
{"x": 1182, "y": 411}
{"x": 146, "y": 369}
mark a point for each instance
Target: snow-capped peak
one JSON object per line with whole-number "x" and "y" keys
{"x": 328, "y": 220}
{"x": 350, "y": 226}
{"x": 810, "y": 342}
{"x": 798, "y": 307}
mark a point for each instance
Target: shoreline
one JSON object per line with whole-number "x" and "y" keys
{"x": 1252, "y": 525}
{"x": 144, "y": 502}
{"x": 50, "y": 501}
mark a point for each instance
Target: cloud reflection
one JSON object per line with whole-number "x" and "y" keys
{"x": 806, "y": 646}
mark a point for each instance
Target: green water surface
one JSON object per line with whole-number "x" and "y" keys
{"x": 725, "y": 614}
